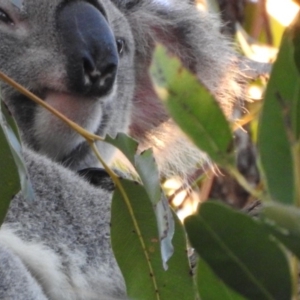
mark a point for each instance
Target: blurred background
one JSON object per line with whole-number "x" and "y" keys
{"x": 256, "y": 28}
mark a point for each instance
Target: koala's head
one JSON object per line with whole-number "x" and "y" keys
{"x": 78, "y": 57}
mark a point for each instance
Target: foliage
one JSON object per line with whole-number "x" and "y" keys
{"x": 239, "y": 257}
{"x": 13, "y": 175}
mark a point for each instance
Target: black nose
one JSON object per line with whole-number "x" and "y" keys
{"x": 90, "y": 48}
{"x": 98, "y": 77}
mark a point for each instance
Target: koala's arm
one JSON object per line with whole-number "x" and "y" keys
{"x": 15, "y": 280}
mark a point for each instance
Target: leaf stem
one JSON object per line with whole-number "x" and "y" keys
{"x": 246, "y": 119}
{"x": 87, "y": 135}
{"x": 244, "y": 183}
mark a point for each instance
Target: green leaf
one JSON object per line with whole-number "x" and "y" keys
{"x": 126, "y": 144}
{"x": 192, "y": 107}
{"x": 147, "y": 170}
{"x": 136, "y": 247}
{"x": 294, "y": 35}
{"x": 295, "y": 111}
{"x": 277, "y": 126}
{"x": 240, "y": 252}
{"x": 13, "y": 175}
{"x": 294, "y": 32}
{"x": 211, "y": 287}
{"x": 9, "y": 177}
{"x": 284, "y": 223}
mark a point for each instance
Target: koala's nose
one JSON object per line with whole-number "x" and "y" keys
{"x": 99, "y": 76}
{"x": 90, "y": 48}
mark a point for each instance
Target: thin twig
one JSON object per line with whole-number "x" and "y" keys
{"x": 86, "y": 134}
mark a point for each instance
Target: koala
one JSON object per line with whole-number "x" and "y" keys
{"x": 97, "y": 94}
{"x": 59, "y": 246}
{"x": 89, "y": 59}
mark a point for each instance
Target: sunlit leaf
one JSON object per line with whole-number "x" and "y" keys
{"x": 192, "y": 107}
{"x": 147, "y": 169}
{"x": 126, "y": 144}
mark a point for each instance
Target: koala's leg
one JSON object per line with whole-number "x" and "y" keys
{"x": 16, "y": 283}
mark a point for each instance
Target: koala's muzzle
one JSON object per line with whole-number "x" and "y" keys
{"x": 90, "y": 47}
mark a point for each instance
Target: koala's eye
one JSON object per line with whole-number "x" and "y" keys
{"x": 5, "y": 18}
{"x": 120, "y": 45}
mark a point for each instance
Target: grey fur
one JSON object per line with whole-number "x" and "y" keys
{"x": 68, "y": 222}
{"x": 59, "y": 246}
{"x": 16, "y": 281}
{"x": 32, "y": 54}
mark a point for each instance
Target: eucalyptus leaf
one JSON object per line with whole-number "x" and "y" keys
{"x": 240, "y": 252}
{"x": 294, "y": 34}
{"x": 126, "y": 144}
{"x": 15, "y": 174}
{"x": 166, "y": 229}
{"x": 210, "y": 287}
{"x": 278, "y": 125}
{"x": 146, "y": 168}
{"x": 9, "y": 177}
{"x": 284, "y": 223}
{"x": 192, "y": 107}
{"x": 135, "y": 243}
